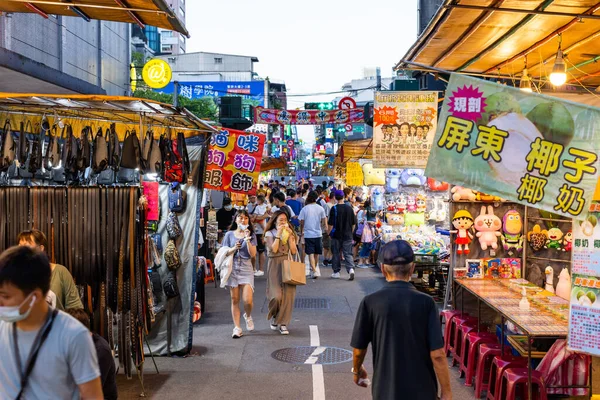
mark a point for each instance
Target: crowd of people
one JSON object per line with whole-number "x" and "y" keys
{"x": 321, "y": 225}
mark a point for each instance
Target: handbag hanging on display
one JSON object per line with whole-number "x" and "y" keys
{"x": 294, "y": 271}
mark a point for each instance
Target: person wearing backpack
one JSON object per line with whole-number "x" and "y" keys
{"x": 341, "y": 225}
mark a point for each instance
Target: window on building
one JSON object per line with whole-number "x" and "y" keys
{"x": 218, "y": 60}
{"x": 166, "y": 34}
{"x": 166, "y": 48}
{"x": 181, "y": 12}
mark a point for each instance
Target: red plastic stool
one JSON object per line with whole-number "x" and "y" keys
{"x": 446, "y": 317}
{"x": 487, "y": 352}
{"x": 470, "y": 351}
{"x": 499, "y": 365}
{"x": 463, "y": 331}
{"x": 458, "y": 323}
{"x": 515, "y": 379}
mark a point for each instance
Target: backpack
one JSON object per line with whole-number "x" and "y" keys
{"x": 176, "y": 197}
{"x": 154, "y": 158}
{"x": 170, "y": 286}
{"x": 100, "y": 155}
{"x": 171, "y": 256}
{"x": 114, "y": 148}
{"x": 131, "y": 151}
{"x": 36, "y": 157}
{"x": 52, "y": 157}
{"x": 173, "y": 169}
{"x": 23, "y": 142}
{"x": 85, "y": 152}
{"x": 7, "y": 147}
{"x": 145, "y": 150}
{"x": 173, "y": 227}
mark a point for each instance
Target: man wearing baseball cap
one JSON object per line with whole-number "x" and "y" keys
{"x": 402, "y": 325}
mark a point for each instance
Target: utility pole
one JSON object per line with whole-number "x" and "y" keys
{"x": 176, "y": 94}
{"x": 378, "y": 79}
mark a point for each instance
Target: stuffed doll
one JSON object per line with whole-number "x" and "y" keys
{"x": 392, "y": 180}
{"x": 568, "y": 241}
{"x": 537, "y": 238}
{"x": 377, "y": 197}
{"x": 411, "y": 204}
{"x": 554, "y": 241}
{"x": 395, "y": 219}
{"x": 437, "y": 186}
{"x": 512, "y": 228}
{"x": 460, "y": 193}
{"x": 462, "y": 222}
{"x": 488, "y": 227}
{"x": 373, "y": 176}
{"x": 401, "y": 204}
{"x": 390, "y": 204}
{"x": 421, "y": 203}
{"x": 487, "y": 198}
{"x": 413, "y": 177}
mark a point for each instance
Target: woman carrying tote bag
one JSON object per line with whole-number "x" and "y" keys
{"x": 281, "y": 241}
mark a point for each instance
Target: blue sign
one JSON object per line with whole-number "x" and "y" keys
{"x": 253, "y": 92}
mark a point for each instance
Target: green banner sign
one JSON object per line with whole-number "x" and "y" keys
{"x": 528, "y": 148}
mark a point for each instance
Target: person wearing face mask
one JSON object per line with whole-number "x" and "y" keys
{"x": 45, "y": 352}
{"x": 242, "y": 241}
{"x": 63, "y": 293}
{"x": 225, "y": 216}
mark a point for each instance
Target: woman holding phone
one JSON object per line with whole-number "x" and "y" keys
{"x": 281, "y": 240}
{"x": 242, "y": 240}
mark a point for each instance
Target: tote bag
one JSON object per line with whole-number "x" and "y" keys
{"x": 293, "y": 271}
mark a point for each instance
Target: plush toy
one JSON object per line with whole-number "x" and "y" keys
{"x": 537, "y": 238}
{"x": 441, "y": 208}
{"x": 390, "y": 204}
{"x": 563, "y": 288}
{"x": 462, "y": 222}
{"x": 395, "y": 219}
{"x": 373, "y": 176}
{"x": 568, "y": 241}
{"x": 460, "y": 193}
{"x": 377, "y": 197}
{"x": 437, "y": 186}
{"x": 512, "y": 227}
{"x": 488, "y": 227}
{"x": 392, "y": 180}
{"x": 401, "y": 204}
{"x": 421, "y": 202}
{"x": 413, "y": 177}
{"x": 411, "y": 204}
{"x": 554, "y": 240}
{"x": 487, "y": 198}
{"x": 549, "y": 279}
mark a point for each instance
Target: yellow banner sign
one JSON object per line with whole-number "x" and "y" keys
{"x": 157, "y": 73}
{"x": 354, "y": 174}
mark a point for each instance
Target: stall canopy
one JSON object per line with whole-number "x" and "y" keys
{"x": 270, "y": 163}
{"x": 496, "y": 37}
{"x": 141, "y": 12}
{"x": 353, "y": 150}
{"x": 100, "y": 111}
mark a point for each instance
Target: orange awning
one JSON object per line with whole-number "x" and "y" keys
{"x": 353, "y": 150}
{"x": 270, "y": 163}
{"x": 142, "y": 12}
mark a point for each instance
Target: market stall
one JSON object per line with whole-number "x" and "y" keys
{"x": 120, "y": 209}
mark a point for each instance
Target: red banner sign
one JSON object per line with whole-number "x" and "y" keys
{"x": 308, "y": 117}
{"x": 233, "y": 163}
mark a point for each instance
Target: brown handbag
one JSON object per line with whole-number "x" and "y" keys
{"x": 294, "y": 271}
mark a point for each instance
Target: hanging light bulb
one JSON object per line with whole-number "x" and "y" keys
{"x": 558, "y": 77}
{"x": 525, "y": 84}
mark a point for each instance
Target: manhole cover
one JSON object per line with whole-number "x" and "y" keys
{"x": 312, "y": 303}
{"x": 313, "y": 355}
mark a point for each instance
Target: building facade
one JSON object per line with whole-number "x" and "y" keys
{"x": 62, "y": 55}
{"x": 206, "y": 67}
{"x": 173, "y": 43}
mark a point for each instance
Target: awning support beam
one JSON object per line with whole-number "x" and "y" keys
{"x": 81, "y": 5}
{"x": 529, "y": 12}
{"x": 36, "y": 10}
{"x": 132, "y": 14}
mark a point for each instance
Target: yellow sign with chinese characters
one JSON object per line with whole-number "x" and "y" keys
{"x": 528, "y": 148}
{"x": 157, "y": 73}
{"x": 354, "y": 174}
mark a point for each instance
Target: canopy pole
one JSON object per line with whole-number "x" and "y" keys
{"x": 176, "y": 94}
{"x": 99, "y": 6}
{"x": 520, "y": 11}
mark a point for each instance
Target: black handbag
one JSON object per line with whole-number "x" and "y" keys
{"x": 130, "y": 158}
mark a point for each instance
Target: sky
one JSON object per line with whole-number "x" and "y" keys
{"x": 314, "y": 46}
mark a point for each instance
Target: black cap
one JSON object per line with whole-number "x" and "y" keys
{"x": 226, "y": 201}
{"x": 396, "y": 252}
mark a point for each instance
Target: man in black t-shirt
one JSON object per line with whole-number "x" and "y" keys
{"x": 403, "y": 327}
{"x": 341, "y": 221}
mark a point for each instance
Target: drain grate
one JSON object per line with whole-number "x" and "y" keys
{"x": 300, "y": 355}
{"x": 312, "y": 303}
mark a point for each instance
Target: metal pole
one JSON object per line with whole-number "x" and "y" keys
{"x": 176, "y": 94}
{"x": 520, "y": 11}
{"x": 529, "y": 388}
{"x": 378, "y": 79}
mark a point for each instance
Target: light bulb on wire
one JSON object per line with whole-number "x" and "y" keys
{"x": 558, "y": 76}
{"x": 525, "y": 84}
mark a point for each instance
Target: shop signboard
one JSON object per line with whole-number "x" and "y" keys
{"x": 252, "y": 92}
{"x": 584, "y": 315}
{"x": 404, "y": 125}
{"x": 307, "y": 117}
{"x": 233, "y": 162}
{"x": 354, "y": 174}
{"x": 528, "y": 148}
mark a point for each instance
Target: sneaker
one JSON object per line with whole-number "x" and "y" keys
{"x": 284, "y": 330}
{"x": 335, "y": 275}
{"x": 273, "y": 324}
{"x": 259, "y": 273}
{"x": 249, "y": 323}
{"x": 351, "y": 274}
{"x": 317, "y": 273}
{"x": 237, "y": 333}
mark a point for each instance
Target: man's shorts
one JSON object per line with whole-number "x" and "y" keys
{"x": 260, "y": 243}
{"x": 313, "y": 246}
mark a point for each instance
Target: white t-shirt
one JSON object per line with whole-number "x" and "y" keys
{"x": 258, "y": 209}
{"x": 312, "y": 215}
{"x": 274, "y": 209}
